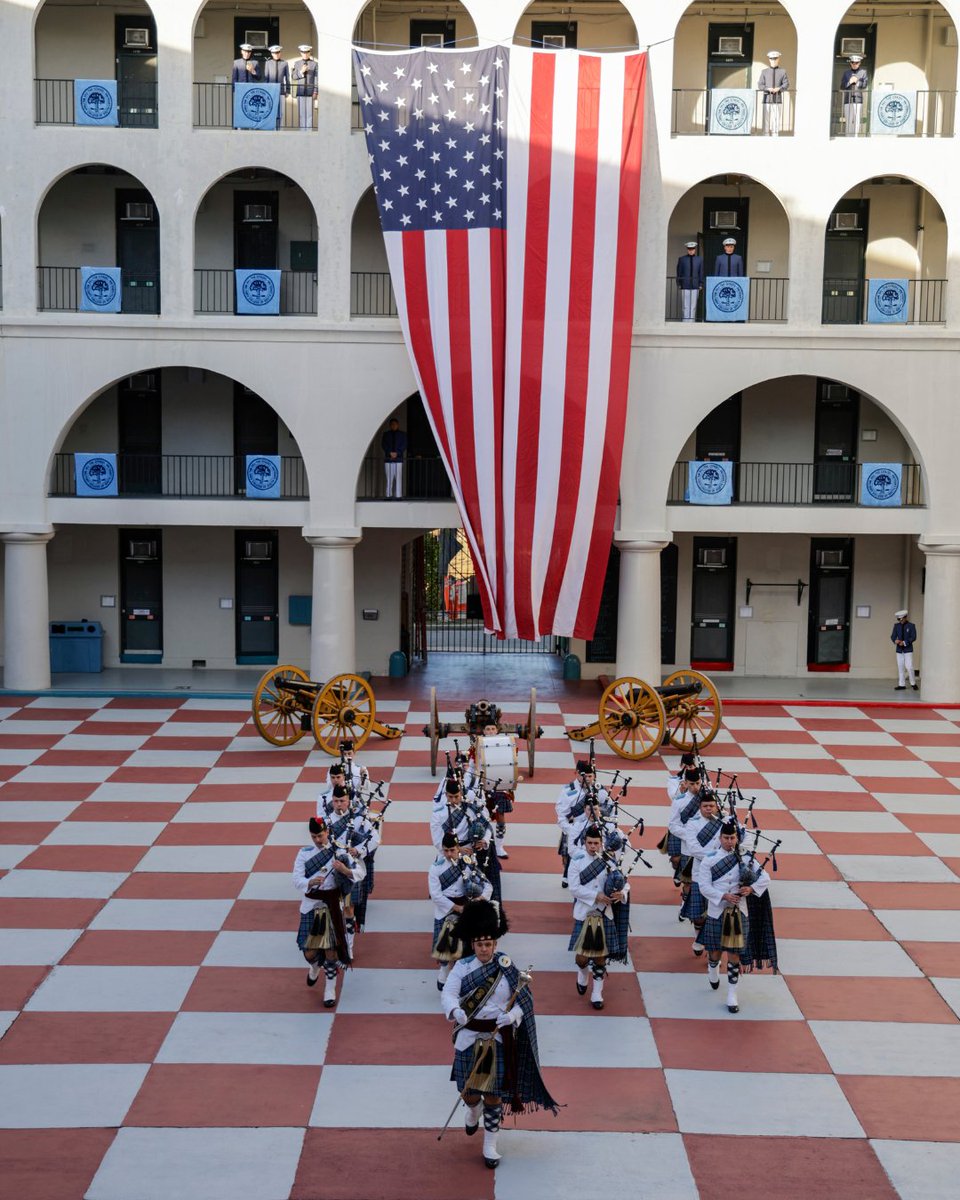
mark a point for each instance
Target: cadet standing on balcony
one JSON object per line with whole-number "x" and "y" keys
{"x": 853, "y": 83}
{"x": 246, "y": 69}
{"x": 728, "y": 263}
{"x": 277, "y": 70}
{"x": 689, "y": 280}
{"x": 773, "y": 83}
{"x": 305, "y": 77}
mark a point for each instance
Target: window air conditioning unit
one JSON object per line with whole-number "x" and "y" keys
{"x": 829, "y": 558}
{"x": 711, "y": 556}
{"x": 138, "y": 39}
{"x": 725, "y": 219}
{"x": 257, "y": 212}
{"x": 144, "y": 382}
{"x": 729, "y": 45}
{"x": 137, "y": 211}
{"x": 555, "y": 41}
{"x": 850, "y": 46}
{"x": 845, "y": 220}
{"x": 836, "y": 391}
{"x": 431, "y": 39}
{"x": 259, "y": 39}
{"x": 141, "y": 551}
{"x": 257, "y": 551}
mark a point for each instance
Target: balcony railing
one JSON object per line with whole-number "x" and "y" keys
{"x": 371, "y": 294}
{"x": 768, "y": 299}
{"x": 182, "y": 476}
{"x": 845, "y": 301}
{"x": 58, "y": 290}
{"x": 136, "y": 103}
{"x": 213, "y": 109}
{"x": 422, "y": 479}
{"x": 691, "y": 114}
{"x": 827, "y": 482}
{"x": 215, "y": 291}
{"x": 934, "y": 115}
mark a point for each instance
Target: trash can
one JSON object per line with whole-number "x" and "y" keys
{"x": 76, "y": 646}
{"x": 398, "y": 665}
{"x": 571, "y": 667}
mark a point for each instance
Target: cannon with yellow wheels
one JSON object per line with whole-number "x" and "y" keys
{"x": 527, "y": 731}
{"x": 287, "y": 704}
{"x": 635, "y": 719}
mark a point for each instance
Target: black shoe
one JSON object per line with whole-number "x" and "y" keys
{"x": 581, "y": 989}
{"x": 714, "y": 985}
{"x": 915, "y": 686}
{"x": 597, "y": 1004}
{"x": 470, "y": 1130}
{"x": 676, "y": 881}
{"x": 439, "y": 986}
{"x": 900, "y": 688}
{"x": 492, "y": 1163}
{"x": 311, "y": 982}
{"x": 733, "y": 1008}
{"x": 564, "y": 884}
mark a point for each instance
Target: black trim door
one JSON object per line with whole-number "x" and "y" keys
{"x": 138, "y": 250}
{"x": 713, "y": 595}
{"x": 438, "y": 33}
{"x": 244, "y": 25}
{"x": 831, "y": 586}
{"x": 140, "y": 434}
{"x": 725, "y": 70}
{"x": 257, "y": 596}
{"x": 715, "y": 230}
{"x": 141, "y": 595}
{"x": 554, "y": 29}
{"x": 255, "y": 431}
{"x": 669, "y": 572}
{"x": 602, "y": 647}
{"x": 836, "y": 430}
{"x": 136, "y": 72}
{"x": 255, "y": 240}
{"x": 844, "y": 259}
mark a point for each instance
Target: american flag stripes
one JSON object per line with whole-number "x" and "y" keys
{"x": 508, "y": 186}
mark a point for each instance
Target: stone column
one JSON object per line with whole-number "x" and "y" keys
{"x": 333, "y": 614}
{"x": 939, "y": 635}
{"x": 26, "y": 611}
{"x": 638, "y": 616}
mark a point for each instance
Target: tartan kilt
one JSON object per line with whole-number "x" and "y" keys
{"x": 438, "y": 924}
{"x": 713, "y": 931}
{"x": 694, "y": 906}
{"x": 306, "y": 924}
{"x": 674, "y": 846}
{"x": 499, "y": 803}
{"x": 358, "y": 898}
{"x": 610, "y": 938}
{"x": 463, "y": 1065}
{"x": 368, "y": 862}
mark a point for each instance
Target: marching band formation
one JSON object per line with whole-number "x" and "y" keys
{"x": 712, "y": 841}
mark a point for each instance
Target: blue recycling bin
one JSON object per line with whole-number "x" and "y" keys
{"x": 398, "y": 665}
{"x": 571, "y": 667}
{"x": 76, "y": 646}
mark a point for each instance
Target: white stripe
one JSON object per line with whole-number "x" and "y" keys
{"x": 481, "y": 363}
{"x": 518, "y": 140}
{"x": 601, "y": 324}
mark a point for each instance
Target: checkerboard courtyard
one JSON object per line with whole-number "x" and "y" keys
{"x": 158, "y": 1040}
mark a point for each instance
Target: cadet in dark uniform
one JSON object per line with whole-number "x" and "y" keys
{"x": 853, "y": 84}
{"x": 246, "y": 69}
{"x": 277, "y": 70}
{"x": 305, "y": 77}
{"x": 728, "y": 263}
{"x": 689, "y": 280}
{"x": 903, "y": 636}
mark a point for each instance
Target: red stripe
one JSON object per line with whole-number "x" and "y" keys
{"x": 498, "y": 292}
{"x": 537, "y": 227}
{"x": 421, "y": 340}
{"x": 580, "y": 304}
{"x": 635, "y": 70}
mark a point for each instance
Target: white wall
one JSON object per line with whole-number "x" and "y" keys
{"x": 213, "y": 54}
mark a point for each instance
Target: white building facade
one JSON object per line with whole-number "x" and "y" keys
{"x": 183, "y": 568}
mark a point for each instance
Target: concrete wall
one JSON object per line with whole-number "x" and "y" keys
{"x": 214, "y": 52}
{"x": 215, "y": 230}
{"x": 772, "y": 30}
{"x": 386, "y": 23}
{"x": 599, "y": 25}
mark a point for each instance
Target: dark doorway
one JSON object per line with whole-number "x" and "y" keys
{"x": 433, "y": 33}
{"x": 138, "y": 250}
{"x": 558, "y": 35}
{"x": 255, "y": 431}
{"x": 135, "y": 39}
{"x": 718, "y": 434}
{"x": 845, "y": 251}
{"x": 141, "y": 596}
{"x": 424, "y": 473}
{"x": 140, "y": 434}
{"x": 260, "y": 31}
{"x": 257, "y": 602}
{"x": 669, "y": 570}
{"x": 835, "y": 451}
{"x": 255, "y": 216}
{"x": 724, "y": 216}
{"x": 730, "y": 56}
{"x": 602, "y": 647}
{"x": 712, "y": 619}
{"x": 831, "y": 582}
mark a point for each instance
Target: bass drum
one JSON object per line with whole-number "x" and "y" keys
{"x": 497, "y": 761}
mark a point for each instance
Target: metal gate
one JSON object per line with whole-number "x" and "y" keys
{"x": 447, "y": 617}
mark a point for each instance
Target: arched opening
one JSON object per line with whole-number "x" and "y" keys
{"x": 715, "y": 212}
{"x": 894, "y": 71}
{"x": 417, "y": 470}
{"x": 82, "y": 40}
{"x": 221, "y": 28}
{"x": 587, "y": 25}
{"x": 255, "y": 220}
{"x": 724, "y": 82}
{"x": 394, "y": 24}
{"x": 885, "y": 256}
{"x": 100, "y": 225}
{"x": 371, "y": 293}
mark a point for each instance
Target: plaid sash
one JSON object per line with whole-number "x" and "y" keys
{"x": 318, "y": 862}
{"x": 454, "y": 817}
{"x": 690, "y": 809}
{"x": 709, "y": 831}
{"x": 727, "y": 863}
{"x": 597, "y": 867}
{"x": 479, "y": 984}
{"x": 449, "y": 877}
{"x": 578, "y": 807}
{"x": 340, "y": 826}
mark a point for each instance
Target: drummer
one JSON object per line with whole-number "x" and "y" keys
{"x": 499, "y": 801}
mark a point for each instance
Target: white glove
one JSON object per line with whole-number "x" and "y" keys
{"x": 513, "y": 1017}
{"x": 459, "y": 1016}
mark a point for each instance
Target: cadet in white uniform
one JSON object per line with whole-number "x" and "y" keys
{"x": 600, "y": 914}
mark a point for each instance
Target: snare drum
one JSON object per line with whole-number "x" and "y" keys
{"x": 497, "y": 760}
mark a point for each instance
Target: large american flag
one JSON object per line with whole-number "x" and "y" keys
{"x": 509, "y": 213}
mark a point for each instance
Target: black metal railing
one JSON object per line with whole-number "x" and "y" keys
{"x": 845, "y": 301}
{"x": 768, "y": 299}
{"x": 934, "y": 115}
{"x": 371, "y": 294}
{"x": 691, "y": 114}
{"x": 422, "y": 478}
{"x": 356, "y": 117}
{"x": 182, "y": 475}
{"x": 459, "y": 630}
{"x": 826, "y": 482}
{"x": 215, "y": 291}
{"x": 136, "y": 103}
{"x": 58, "y": 290}
{"x": 213, "y": 109}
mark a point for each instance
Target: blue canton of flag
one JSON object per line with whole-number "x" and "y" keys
{"x": 435, "y": 126}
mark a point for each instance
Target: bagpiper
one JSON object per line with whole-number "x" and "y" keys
{"x": 351, "y": 830}
{"x": 571, "y": 804}
{"x": 601, "y": 914}
{"x": 452, "y": 881}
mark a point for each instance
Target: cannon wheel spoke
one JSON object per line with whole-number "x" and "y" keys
{"x": 276, "y": 710}
{"x": 632, "y": 720}
{"x": 345, "y": 708}
{"x": 700, "y": 714}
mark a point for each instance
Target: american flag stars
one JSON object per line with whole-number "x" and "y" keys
{"x": 451, "y": 131}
